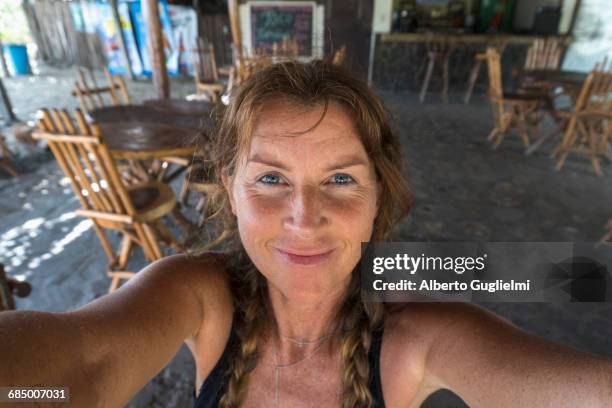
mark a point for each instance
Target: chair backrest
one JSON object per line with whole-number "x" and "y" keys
{"x": 91, "y": 96}
{"x": 495, "y": 76}
{"x": 596, "y": 92}
{"x": 288, "y": 48}
{"x": 339, "y": 56}
{"x": 205, "y": 63}
{"x": 544, "y": 54}
{"x": 85, "y": 159}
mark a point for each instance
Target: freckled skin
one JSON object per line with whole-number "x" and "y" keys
{"x": 304, "y": 206}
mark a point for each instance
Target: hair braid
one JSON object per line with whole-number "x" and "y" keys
{"x": 252, "y": 322}
{"x": 358, "y": 320}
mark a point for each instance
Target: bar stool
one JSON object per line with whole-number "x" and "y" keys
{"x": 438, "y": 50}
{"x": 499, "y": 45}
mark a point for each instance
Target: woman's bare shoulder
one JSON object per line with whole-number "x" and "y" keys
{"x": 205, "y": 273}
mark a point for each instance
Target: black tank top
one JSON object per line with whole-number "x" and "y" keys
{"x": 214, "y": 385}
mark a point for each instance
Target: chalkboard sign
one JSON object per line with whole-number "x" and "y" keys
{"x": 271, "y": 23}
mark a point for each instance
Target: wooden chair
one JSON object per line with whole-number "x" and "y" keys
{"x": 5, "y": 158}
{"x": 545, "y": 54}
{"x": 10, "y": 287}
{"x": 438, "y": 51}
{"x": 206, "y": 72}
{"x": 200, "y": 179}
{"x": 510, "y": 110}
{"x": 339, "y": 56}
{"x": 91, "y": 96}
{"x": 135, "y": 211}
{"x": 479, "y": 58}
{"x": 590, "y": 123}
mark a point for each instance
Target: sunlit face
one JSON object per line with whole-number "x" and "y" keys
{"x": 304, "y": 202}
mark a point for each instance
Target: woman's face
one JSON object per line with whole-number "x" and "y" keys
{"x": 304, "y": 201}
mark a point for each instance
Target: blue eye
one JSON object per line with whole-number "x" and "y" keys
{"x": 341, "y": 178}
{"x": 270, "y": 179}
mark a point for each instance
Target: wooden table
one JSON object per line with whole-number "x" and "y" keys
{"x": 141, "y": 141}
{"x": 566, "y": 79}
{"x": 570, "y": 81}
{"x": 180, "y": 106}
{"x": 140, "y": 133}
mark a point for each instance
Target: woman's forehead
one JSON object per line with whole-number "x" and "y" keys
{"x": 289, "y": 125}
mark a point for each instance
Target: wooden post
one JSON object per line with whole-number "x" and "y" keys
{"x": 5, "y": 71}
{"x": 156, "y": 49}
{"x": 124, "y": 51}
{"x": 6, "y": 110}
{"x": 232, "y": 8}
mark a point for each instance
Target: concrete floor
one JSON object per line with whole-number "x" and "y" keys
{"x": 464, "y": 191}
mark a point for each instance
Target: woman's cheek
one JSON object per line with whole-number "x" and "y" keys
{"x": 256, "y": 205}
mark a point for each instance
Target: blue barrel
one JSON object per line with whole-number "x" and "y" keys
{"x": 19, "y": 58}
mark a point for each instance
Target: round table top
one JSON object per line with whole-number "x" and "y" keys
{"x": 147, "y": 115}
{"x": 180, "y": 106}
{"x": 564, "y": 78}
{"x": 133, "y": 140}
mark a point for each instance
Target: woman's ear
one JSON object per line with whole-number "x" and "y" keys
{"x": 227, "y": 183}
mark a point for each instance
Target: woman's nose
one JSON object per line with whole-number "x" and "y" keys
{"x": 305, "y": 210}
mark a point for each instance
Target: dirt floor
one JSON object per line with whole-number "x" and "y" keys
{"x": 464, "y": 191}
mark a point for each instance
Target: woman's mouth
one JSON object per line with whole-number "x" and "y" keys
{"x": 309, "y": 258}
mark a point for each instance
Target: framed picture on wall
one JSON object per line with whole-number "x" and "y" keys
{"x": 264, "y": 23}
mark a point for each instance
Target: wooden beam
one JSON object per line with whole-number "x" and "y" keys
{"x": 5, "y": 70}
{"x": 232, "y": 8}
{"x": 156, "y": 49}
{"x": 6, "y": 110}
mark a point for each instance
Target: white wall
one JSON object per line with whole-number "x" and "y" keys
{"x": 593, "y": 36}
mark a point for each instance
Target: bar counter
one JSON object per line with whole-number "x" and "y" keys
{"x": 400, "y": 60}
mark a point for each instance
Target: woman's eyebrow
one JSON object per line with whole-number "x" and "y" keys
{"x": 343, "y": 162}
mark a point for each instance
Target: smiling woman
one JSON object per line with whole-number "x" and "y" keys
{"x": 308, "y": 169}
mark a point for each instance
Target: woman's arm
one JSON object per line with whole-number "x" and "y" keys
{"x": 490, "y": 363}
{"x": 106, "y": 351}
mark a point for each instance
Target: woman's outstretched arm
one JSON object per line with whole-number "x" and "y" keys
{"x": 489, "y": 362}
{"x": 106, "y": 351}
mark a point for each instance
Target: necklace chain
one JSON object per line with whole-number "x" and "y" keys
{"x": 278, "y": 366}
{"x": 303, "y": 342}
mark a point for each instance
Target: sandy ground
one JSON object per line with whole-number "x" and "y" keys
{"x": 463, "y": 189}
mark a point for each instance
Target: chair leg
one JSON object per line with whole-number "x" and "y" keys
{"x": 184, "y": 224}
{"x": 445, "y": 78}
{"x": 430, "y": 68}
{"x": 493, "y": 133}
{"x": 126, "y": 249}
{"x": 520, "y": 124}
{"x": 167, "y": 236}
{"x": 473, "y": 77}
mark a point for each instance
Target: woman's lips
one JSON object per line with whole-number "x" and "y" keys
{"x": 315, "y": 258}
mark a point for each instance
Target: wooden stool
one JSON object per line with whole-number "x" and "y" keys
{"x": 437, "y": 51}
{"x": 479, "y": 58}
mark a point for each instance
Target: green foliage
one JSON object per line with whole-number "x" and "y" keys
{"x": 13, "y": 25}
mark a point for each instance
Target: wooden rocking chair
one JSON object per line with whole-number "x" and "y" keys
{"x": 510, "y": 110}
{"x": 590, "y": 124}
{"x": 135, "y": 211}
